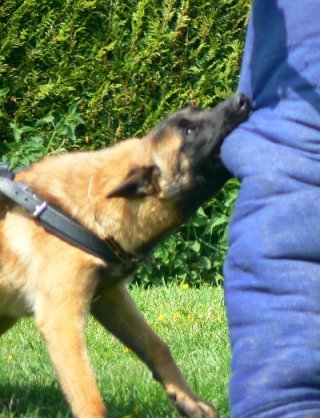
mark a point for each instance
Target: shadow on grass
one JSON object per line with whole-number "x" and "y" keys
{"x": 48, "y": 402}
{"x": 32, "y": 401}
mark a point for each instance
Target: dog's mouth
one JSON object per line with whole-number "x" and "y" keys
{"x": 227, "y": 116}
{"x": 230, "y": 114}
{"x": 210, "y": 168}
{"x": 208, "y": 171}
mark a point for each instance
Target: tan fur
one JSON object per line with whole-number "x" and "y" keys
{"x": 43, "y": 276}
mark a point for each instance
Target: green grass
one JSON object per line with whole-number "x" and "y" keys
{"x": 191, "y": 321}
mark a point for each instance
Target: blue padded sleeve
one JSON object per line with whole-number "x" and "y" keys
{"x": 272, "y": 272}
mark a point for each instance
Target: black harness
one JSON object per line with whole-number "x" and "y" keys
{"x": 58, "y": 223}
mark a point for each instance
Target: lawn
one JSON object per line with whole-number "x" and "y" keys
{"x": 191, "y": 321}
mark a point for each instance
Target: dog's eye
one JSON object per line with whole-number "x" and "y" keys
{"x": 191, "y": 130}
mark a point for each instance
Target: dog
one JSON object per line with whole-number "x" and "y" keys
{"x": 131, "y": 194}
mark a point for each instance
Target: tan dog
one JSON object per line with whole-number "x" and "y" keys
{"x": 134, "y": 193}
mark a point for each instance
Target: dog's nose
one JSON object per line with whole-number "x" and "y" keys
{"x": 242, "y": 103}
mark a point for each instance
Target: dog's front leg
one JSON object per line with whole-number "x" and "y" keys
{"x": 62, "y": 325}
{"x": 116, "y": 310}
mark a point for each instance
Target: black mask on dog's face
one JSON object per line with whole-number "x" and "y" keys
{"x": 202, "y": 133}
{"x": 184, "y": 165}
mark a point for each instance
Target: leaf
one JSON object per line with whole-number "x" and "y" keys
{"x": 203, "y": 263}
{"x": 49, "y": 119}
{"x": 195, "y": 246}
{"x": 4, "y": 91}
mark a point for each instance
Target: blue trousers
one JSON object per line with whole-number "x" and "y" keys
{"x": 272, "y": 271}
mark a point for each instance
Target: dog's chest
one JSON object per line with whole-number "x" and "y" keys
{"x": 110, "y": 276}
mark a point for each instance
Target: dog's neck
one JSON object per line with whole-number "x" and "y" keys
{"x": 78, "y": 184}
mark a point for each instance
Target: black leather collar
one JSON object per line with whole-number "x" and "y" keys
{"x": 61, "y": 225}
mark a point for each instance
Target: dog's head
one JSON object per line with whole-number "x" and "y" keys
{"x": 184, "y": 156}
{"x": 174, "y": 169}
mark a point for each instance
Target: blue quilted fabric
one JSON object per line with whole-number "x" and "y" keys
{"x": 272, "y": 272}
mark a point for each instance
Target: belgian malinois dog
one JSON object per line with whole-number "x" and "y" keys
{"x": 133, "y": 194}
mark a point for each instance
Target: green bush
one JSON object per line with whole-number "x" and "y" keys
{"x": 85, "y": 73}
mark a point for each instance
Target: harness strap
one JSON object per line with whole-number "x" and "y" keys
{"x": 61, "y": 225}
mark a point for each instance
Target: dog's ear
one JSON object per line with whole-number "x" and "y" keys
{"x": 140, "y": 181}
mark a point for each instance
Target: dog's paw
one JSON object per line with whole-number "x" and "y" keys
{"x": 193, "y": 408}
{"x": 207, "y": 410}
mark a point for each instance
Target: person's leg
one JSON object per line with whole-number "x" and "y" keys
{"x": 272, "y": 272}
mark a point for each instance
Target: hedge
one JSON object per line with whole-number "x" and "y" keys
{"x": 81, "y": 74}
